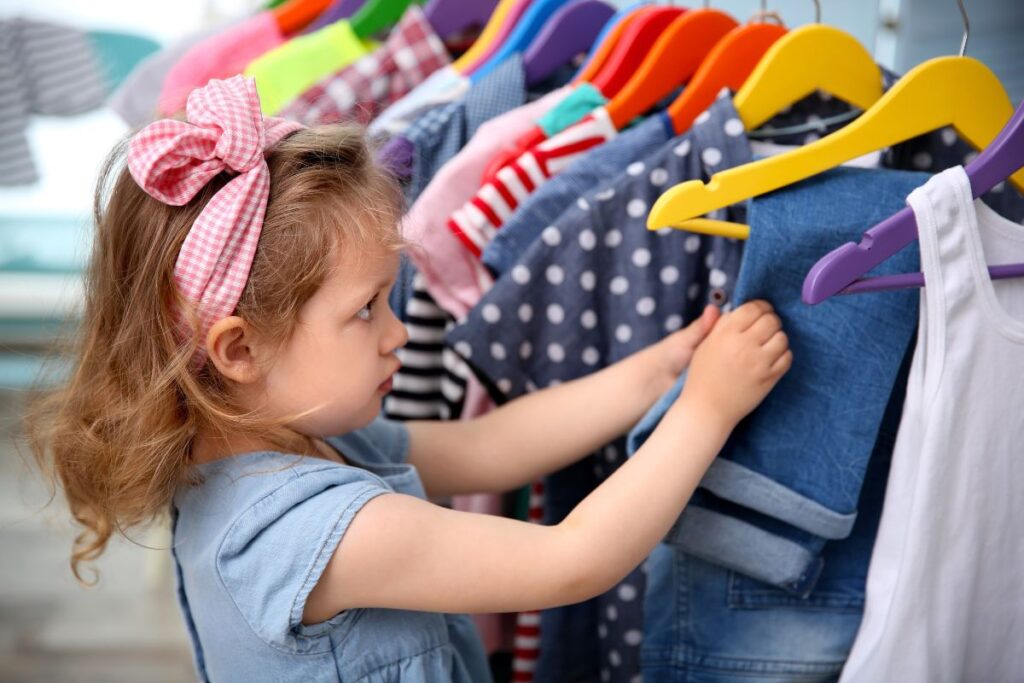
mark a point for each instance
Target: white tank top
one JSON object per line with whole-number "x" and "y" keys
{"x": 945, "y": 588}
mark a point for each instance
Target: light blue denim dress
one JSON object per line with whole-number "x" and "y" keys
{"x": 250, "y": 543}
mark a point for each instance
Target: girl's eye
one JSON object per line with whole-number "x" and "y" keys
{"x": 366, "y": 312}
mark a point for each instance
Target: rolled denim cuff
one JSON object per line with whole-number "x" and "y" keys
{"x": 738, "y": 484}
{"x": 729, "y": 542}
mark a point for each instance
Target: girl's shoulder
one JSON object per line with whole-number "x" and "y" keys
{"x": 270, "y": 480}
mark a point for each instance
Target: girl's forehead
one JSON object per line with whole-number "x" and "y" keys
{"x": 368, "y": 266}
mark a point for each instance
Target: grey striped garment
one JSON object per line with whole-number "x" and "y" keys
{"x": 45, "y": 69}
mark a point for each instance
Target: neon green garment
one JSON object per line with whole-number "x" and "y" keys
{"x": 287, "y": 71}
{"x": 584, "y": 99}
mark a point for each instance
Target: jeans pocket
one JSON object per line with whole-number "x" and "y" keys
{"x": 835, "y": 595}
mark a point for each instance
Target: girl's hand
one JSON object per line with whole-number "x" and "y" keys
{"x": 676, "y": 350}
{"x": 739, "y": 362}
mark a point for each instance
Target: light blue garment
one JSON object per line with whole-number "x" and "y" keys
{"x": 250, "y": 543}
{"x": 438, "y": 135}
{"x": 440, "y": 88}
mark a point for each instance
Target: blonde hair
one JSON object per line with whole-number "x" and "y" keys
{"x": 116, "y": 437}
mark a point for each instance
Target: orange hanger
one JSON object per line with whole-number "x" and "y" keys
{"x": 672, "y": 61}
{"x": 295, "y": 15}
{"x": 633, "y": 47}
{"x": 728, "y": 65}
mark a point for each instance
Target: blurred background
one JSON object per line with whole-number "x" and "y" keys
{"x": 127, "y": 628}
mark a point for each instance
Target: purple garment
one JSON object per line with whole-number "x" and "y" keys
{"x": 397, "y": 155}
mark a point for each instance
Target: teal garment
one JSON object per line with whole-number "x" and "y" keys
{"x": 252, "y": 539}
{"x": 584, "y": 99}
{"x": 119, "y": 53}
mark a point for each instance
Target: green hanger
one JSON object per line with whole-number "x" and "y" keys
{"x": 377, "y": 15}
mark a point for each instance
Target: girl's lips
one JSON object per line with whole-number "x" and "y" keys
{"x": 386, "y": 385}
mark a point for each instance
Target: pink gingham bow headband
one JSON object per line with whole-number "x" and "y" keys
{"x": 172, "y": 160}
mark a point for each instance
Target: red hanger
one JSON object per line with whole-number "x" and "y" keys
{"x": 728, "y": 65}
{"x": 600, "y": 56}
{"x": 295, "y": 15}
{"x": 677, "y": 54}
{"x": 633, "y": 47}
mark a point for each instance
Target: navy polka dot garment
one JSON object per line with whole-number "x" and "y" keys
{"x": 594, "y": 288}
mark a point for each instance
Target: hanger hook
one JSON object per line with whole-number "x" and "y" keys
{"x": 764, "y": 6}
{"x": 967, "y": 27}
{"x": 817, "y": 11}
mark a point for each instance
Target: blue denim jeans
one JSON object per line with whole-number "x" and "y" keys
{"x": 789, "y": 478}
{"x": 708, "y": 624}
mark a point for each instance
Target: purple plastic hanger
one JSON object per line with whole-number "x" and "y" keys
{"x": 339, "y": 9}
{"x": 450, "y": 17}
{"x": 570, "y": 31}
{"x": 842, "y": 270}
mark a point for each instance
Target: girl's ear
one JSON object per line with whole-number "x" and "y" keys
{"x": 232, "y": 346}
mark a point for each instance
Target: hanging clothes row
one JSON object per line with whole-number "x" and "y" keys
{"x": 564, "y": 213}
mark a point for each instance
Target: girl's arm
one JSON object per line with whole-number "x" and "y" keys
{"x": 543, "y": 432}
{"x": 402, "y": 552}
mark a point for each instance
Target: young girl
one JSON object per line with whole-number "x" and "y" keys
{"x": 236, "y": 321}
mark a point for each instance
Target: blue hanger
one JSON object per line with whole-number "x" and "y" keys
{"x": 529, "y": 25}
{"x": 570, "y": 31}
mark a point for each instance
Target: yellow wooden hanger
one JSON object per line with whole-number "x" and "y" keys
{"x": 809, "y": 58}
{"x": 486, "y": 37}
{"x": 958, "y": 91}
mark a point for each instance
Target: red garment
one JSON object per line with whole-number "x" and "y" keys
{"x": 476, "y": 223}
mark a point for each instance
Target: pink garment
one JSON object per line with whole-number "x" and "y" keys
{"x": 222, "y": 55}
{"x": 437, "y": 252}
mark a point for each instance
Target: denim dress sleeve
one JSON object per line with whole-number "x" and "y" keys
{"x": 273, "y": 555}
